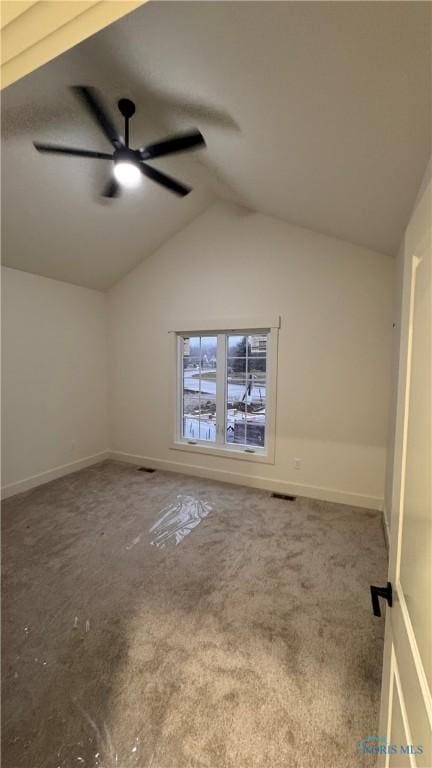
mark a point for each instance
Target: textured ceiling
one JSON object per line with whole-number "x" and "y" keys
{"x": 316, "y": 113}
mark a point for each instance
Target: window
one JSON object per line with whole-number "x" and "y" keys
{"x": 245, "y": 404}
{"x": 199, "y": 388}
{"x": 224, "y": 380}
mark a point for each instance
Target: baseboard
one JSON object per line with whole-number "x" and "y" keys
{"x": 52, "y": 474}
{"x": 225, "y": 476}
{"x": 264, "y": 483}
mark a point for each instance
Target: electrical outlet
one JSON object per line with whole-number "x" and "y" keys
{"x": 297, "y": 463}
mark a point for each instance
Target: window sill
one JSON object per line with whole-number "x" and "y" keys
{"x": 240, "y": 453}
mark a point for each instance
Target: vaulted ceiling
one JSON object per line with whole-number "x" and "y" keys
{"x": 316, "y": 113}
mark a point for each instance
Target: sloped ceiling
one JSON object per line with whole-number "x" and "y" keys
{"x": 34, "y": 32}
{"x": 316, "y": 113}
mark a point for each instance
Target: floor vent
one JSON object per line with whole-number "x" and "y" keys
{"x": 146, "y": 469}
{"x": 283, "y": 496}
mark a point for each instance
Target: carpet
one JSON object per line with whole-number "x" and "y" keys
{"x": 164, "y": 621}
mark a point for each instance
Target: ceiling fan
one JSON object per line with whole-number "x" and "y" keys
{"x": 129, "y": 163}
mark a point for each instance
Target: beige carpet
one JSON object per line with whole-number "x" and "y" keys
{"x": 161, "y": 621}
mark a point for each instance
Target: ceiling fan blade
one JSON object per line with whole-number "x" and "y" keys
{"x": 179, "y": 143}
{"x": 92, "y": 102}
{"x": 112, "y": 189}
{"x": 59, "y": 150}
{"x": 164, "y": 180}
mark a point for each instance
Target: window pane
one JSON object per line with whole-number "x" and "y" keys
{"x": 257, "y": 395}
{"x": 236, "y": 346}
{"x": 190, "y": 428}
{"x": 192, "y": 346}
{"x": 246, "y": 390}
{"x": 195, "y": 428}
{"x": 236, "y": 366}
{"x": 257, "y": 344}
{"x": 257, "y": 364}
{"x": 255, "y": 429}
{"x": 199, "y": 388}
{"x": 236, "y": 388}
{"x": 236, "y": 431}
{"x": 235, "y": 426}
{"x": 235, "y": 406}
{"x": 259, "y": 379}
{"x": 207, "y": 426}
{"x": 208, "y": 352}
{"x": 190, "y": 363}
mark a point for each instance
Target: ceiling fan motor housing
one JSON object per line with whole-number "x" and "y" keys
{"x": 126, "y": 107}
{"x": 126, "y": 155}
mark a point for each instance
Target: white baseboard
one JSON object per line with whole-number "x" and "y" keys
{"x": 52, "y": 474}
{"x": 225, "y": 476}
{"x": 276, "y": 486}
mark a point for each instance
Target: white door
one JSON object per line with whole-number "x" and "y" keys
{"x": 406, "y": 705}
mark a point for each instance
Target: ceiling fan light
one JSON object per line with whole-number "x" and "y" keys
{"x": 127, "y": 174}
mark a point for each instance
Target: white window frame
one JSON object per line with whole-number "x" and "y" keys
{"x": 264, "y": 455}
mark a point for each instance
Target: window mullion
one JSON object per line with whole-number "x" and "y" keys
{"x": 220, "y": 388}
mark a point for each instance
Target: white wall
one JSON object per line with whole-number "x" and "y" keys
{"x": 336, "y": 303}
{"x": 335, "y": 300}
{"x": 54, "y": 378}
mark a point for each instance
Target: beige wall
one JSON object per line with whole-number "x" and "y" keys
{"x": 336, "y": 303}
{"x": 53, "y": 378}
